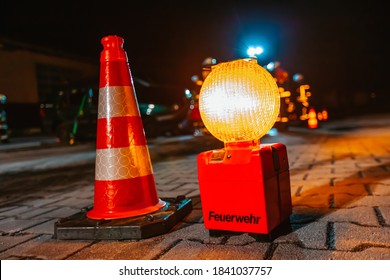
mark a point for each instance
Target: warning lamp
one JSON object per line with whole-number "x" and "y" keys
{"x": 245, "y": 186}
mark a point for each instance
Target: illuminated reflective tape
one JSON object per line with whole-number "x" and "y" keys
{"x": 117, "y": 101}
{"x": 122, "y": 163}
{"x": 120, "y": 132}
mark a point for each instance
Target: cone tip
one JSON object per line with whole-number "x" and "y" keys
{"x": 113, "y": 49}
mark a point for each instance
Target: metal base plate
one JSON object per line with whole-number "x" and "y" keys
{"x": 282, "y": 229}
{"x": 80, "y": 227}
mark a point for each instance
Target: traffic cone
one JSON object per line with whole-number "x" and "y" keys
{"x": 312, "y": 121}
{"x": 126, "y": 205}
{"x": 124, "y": 180}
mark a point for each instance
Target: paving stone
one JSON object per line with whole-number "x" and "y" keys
{"x": 41, "y": 202}
{"x": 367, "y": 164}
{"x": 376, "y": 171}
{"x": 242, "y": 239}
{"x": 195, "y": 232}
{"x": 312, "y": 235}
{"x": 372, "y": 253}
{"x": 7, "y": 209}
{"x": 304, "y": 214}
{"x": 167, "y": 181}
{"x": 161, "y": 175}
{"x": 150, "y": 248}
{"x": 295, "y": 190}
{"x": 60, "y": 212}
{"x": 351, "y": 237}
{"x": 311, "y": 176}
{"x": 190, "y": 250}
{"x": 380, "y": 189}
{"x": 46, "y": 248}
{"x": 295, "y": 252}
{"x": 340, "y": 191}
{"x": 82, "y": 192}
{"x": 74, "y": 202}
{"x": 315, "y": 200}
{"x": 353, "y": 189}
{"x": 381, "y": 180}
{"x": 296, "y": 176}
{"x": 192, "y": 193}
{"x": 358, "y": 215}
{"x": 57, "y": 196}
{"x": 11, "y": 225}
{"x": 43, "y": 228}
{"x": 343, "y": 172}
{"x": 344, "y": 163}
{"x": 15, "y": 211}
{"x": 348, "y": 201}
{"x": 168, "y": 187}
{"x": 322, "y": 168}
{"x": 7, "y": 242}
{"x": 34, "y": 213}
{"x": 352, "y": 181}
{"x": 181, "y": 180}
{"x": 319, "y": 182}
{"x": 385, "y": 212}
{"x": 348, "y": 178}
{"x": 121, "y": 250}
{"x": 175, "y": 193}
{"x": 6, "y": 220}
{"x": 190, "y": 186}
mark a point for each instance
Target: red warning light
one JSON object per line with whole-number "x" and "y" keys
{"x": 244, "y": 187}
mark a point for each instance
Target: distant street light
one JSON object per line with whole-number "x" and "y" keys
{"x": 254, "y": 51}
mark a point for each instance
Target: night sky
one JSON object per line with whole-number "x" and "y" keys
{"x": 339, "y": 46}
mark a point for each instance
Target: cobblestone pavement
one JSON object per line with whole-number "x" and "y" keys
{"x": 340, "y": 185}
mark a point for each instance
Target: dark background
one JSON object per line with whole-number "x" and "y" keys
{"x": 339, "y": 46}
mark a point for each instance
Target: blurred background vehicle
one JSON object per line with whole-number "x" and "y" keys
{"x": 193, "y": 122}
{"x": 71, "y": 111}
{"x": 162, "y": 109}
{"x": 4, "y": 133}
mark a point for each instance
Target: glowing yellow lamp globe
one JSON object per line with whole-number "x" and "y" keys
{"x": 239, "y": 101}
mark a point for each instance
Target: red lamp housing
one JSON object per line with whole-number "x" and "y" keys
{"x": 245, "y": 190}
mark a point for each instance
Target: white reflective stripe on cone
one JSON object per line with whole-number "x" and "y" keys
{"x": 117, "y": 101}
{"x": 122, "y": 163}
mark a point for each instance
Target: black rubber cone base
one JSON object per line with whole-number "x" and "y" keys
{"x": 80, "y": 227}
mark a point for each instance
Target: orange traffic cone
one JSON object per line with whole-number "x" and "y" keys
{"x": 124, "y": 180}
{"x": 312, "y": 121}
{"x": 125, "y": 192}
